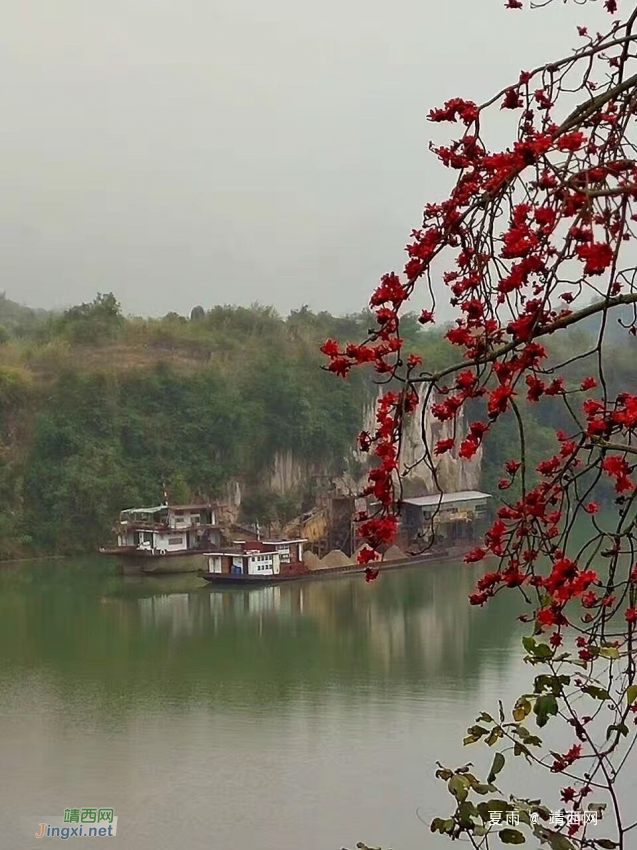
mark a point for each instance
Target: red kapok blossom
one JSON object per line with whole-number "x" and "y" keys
{"x": 367, "y": 555}
{"x": 330, "y": 348}
{"x": 597, "y": 257}
{"x": 631, "y": 615}
{"x": 477, "y": 554}
{"x": 371, "y": 574}
{"x": 443, "y": 446}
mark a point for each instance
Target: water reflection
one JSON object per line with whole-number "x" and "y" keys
{"x": 176, "y": 638}
{"x": 167, "y": 699}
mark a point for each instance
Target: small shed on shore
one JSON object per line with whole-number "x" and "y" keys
{"x": 450, "y": 517}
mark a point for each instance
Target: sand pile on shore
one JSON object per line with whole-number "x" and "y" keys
{"x": 336, "y": 558}
{"x": 395, "y": 553}
{"x": 311, "y": 561}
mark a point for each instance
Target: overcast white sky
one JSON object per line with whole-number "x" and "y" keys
{"x": 182, "y": 152}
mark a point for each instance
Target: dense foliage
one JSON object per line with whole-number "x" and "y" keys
{"x": 98, "y": 410}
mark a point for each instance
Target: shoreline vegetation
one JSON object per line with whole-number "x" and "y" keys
{"x": 99, "y": 410}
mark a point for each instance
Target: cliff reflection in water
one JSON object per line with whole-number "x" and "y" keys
{"x": 174, "y": 639}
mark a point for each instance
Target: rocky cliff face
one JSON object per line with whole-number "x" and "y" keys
{"x": 452, "y": 473}
{"x": 292, "y": 477}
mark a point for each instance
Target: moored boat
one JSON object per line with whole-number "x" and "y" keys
{"x": 165, "y": 539}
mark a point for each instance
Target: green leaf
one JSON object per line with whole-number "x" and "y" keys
{"x": 444, "y": 773}
{"x": 482, "y": 789}
{"x": 520, "y": 750}
{"x": 466, "y": 811}
{"x": 596, "y": 693}
{"x": 521, "y": 709}
{"x": 620, "y": 728}
{"x": 474, "y": 733}
{"x": 631, "y": 694}
{"x": 559, "y": 842}
{"x": 609, "y": 652}
{"x": 529, "y": 644}
{"x": 511, "y": 836}
{"x": 442, "y": 826}
{"x": 543, "y": 651}
{"x": 606, "y": 843}
{"x": 494, "y": 737}
{"x": 496, "y": 767}
{"x": 459, "y": 787}
{"x": 545, "y": 707}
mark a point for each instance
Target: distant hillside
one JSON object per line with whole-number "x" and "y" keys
{"x": 18, "y": 320}
{"x": 98, "y": 411}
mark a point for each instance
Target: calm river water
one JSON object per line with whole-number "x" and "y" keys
{"x": 308, "y": 716}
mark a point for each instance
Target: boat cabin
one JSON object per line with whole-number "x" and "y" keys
{"x": 169, "y": 528}
{"x": 258, "y": 558}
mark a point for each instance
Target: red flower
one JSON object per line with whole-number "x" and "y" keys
{"x": 367, "y": 555}
{"x": 331, "y": 348}
{"x": 477, "y": 554}
{"x": 478, "y": 429}
{"x": 631, "y": 615}
{"x": 571, "y": 141}
{"x": 390, "y": 290}
{"x": 443, "y": 446}
{"x": 478, "y": 598}
{"x": 468, "y": 448}
{"x": 512, "y": 466}
{"x": 414, "y": 360}
{"x": 615, "y": 466}
{"x": 456, "y": 108}
{"x": 514, "y": 4}
{"x": 547, "y": 617}
{"x": 340, "y": 366}
{"x": 371, "y": 574}
{"x": 537, "y": 388}
{"x": 499, "y": 400}
{"x": 512, "y": 99}
{"x": 597, "y": 257}
{"x": 568, "y": 794}
{"x": 588, "y": 383}
{"x": 425, "y": 317}
{"x": 592, "y": 508}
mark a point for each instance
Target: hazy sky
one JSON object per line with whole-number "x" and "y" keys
{"x": 182, "y": 152}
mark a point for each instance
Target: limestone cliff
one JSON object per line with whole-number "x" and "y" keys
{"x": 452, "y": 472}
{"x": 295, "y": 478}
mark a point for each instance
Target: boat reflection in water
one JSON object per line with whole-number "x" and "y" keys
{"x": 409, "y": 623}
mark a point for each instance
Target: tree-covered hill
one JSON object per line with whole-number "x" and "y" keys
{"x": 98, "y": 411}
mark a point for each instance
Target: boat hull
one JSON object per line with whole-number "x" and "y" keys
{"x": 170, "y": 564}
{"x": 230, "y": 580}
